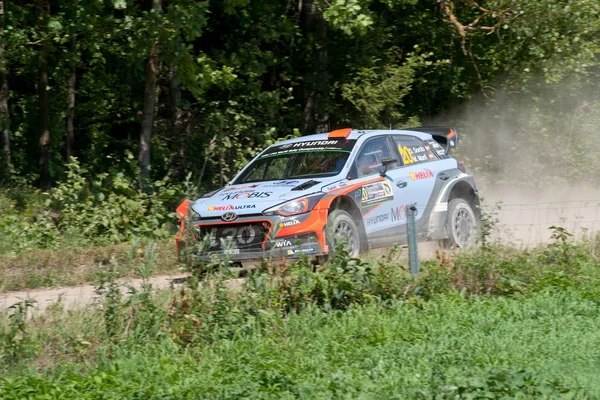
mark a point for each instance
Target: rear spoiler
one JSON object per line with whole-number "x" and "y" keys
{"x": 446, "y": 136}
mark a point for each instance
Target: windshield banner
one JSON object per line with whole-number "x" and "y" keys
{"x": 310, "y": 146}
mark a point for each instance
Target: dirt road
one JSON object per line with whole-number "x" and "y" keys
{"x": 521, "y": 223}
{"x": 78, "y": 296}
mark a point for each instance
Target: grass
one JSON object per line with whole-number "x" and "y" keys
{"x": 493, "y": 323}
{"x": 69, "y": 266}
{"x": 548, "y": 344}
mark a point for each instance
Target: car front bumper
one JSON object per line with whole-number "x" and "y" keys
{"x": 253, "y": 238}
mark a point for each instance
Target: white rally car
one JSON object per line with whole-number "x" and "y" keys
{"x": 302, "y": 196}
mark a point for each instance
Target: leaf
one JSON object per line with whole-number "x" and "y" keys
{"x": 120, "y": 4}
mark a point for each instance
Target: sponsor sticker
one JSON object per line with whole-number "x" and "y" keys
{"x": 336, "y": 185}
{"x": 437, "y": 147}
{"x": 231, "y": 251}
{"x": 296, "y": 251}
{"x": 424, "y": 174}
{"x": 230, "y": 207}
{"x": 375, "y": 193}
{"x": 241, "y": 188}
{"x": 283, "y": 243}
{"x": 281, "y": 184}
{"x": 399, "y": 213}
{"x": 289, "y": 223}
{"x": 315, "y": 145}
{"x": 246, "y": 195}
{"x": 377, "y": 219}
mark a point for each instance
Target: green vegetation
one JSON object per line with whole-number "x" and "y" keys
{"x": 195, "y": 89}
{"x": 198, "y": 87}
{"x": 494, "y": 323}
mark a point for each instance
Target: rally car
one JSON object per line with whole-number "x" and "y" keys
{"x": 348, "y": 188}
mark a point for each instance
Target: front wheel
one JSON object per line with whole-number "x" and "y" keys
{"x": 341, "y": 229}
{"x": 461, "y": 224}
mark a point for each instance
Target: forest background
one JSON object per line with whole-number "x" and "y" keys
{"x": 113, "y": 111}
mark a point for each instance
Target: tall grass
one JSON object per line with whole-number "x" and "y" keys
{"x": 493, "y": 323}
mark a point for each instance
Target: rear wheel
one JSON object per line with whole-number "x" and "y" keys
{"x": 461, "y": 224}
{"x": 341, "y": 228}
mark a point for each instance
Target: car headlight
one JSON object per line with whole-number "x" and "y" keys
{"x": 296, "y": 206}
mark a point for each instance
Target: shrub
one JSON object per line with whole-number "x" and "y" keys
{"x": 112, "y": 208}
{"x": 104, "y": 209}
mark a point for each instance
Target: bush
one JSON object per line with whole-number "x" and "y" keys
{"x": 107, "y": 208}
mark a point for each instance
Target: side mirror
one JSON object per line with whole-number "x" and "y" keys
{"x": 385, "y": 162}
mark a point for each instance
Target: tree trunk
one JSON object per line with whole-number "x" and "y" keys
{"x": 71, "y": 100}
{"x": 149, "y": 101}
{"x": 4, "y": 114}
{"x": 44, "y": 161}
{"x": 5, "y": 125}
{"x": 177, "y": 124}
{"x": 316, "y": 90}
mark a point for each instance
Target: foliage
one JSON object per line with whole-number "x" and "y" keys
{"x": 108, "y": 208}
{"x": 447, "y": 347}
{"x": 495, "y": 323}
{"x": 236, "y": 76}
{"x": 111, "y": 208}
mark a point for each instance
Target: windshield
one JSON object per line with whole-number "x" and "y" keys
{"x": 299, "y": 160}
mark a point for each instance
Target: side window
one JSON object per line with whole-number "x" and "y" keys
{"x": 413, "y": 150}
{"x": 369, "y": 158}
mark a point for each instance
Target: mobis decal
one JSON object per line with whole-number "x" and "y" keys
{"x": 246, "y": 195}
{"x": 425, "y": 174}
{"x": 399, "y": 213}
{"x": 377, "y": 192}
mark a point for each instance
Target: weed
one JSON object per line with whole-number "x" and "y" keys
{"x": 15, "y": 343}
{"x": 108, "y": 286}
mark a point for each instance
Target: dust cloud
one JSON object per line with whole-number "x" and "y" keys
{"x": 536, "y": 159}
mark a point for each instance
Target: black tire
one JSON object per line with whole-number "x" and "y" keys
{"x": 461, "y": 225}
{"x": 341, "y": 226}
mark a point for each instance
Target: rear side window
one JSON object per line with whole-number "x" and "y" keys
{"x": 414, "y": 150}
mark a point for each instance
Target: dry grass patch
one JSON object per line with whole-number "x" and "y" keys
{"x": 68, "y": 266}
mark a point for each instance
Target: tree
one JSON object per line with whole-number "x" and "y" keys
{"x": 44, "y": 116}
{"x": 4, "y": 113}
{"x": 149, "y": 99}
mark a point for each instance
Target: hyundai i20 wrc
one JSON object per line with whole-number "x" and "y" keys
{"x": 352, "y": 188}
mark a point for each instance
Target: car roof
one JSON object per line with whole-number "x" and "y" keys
{"x": 359, "y": 133}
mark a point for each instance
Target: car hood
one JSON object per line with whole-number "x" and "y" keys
{"x": 254, "y": 198}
